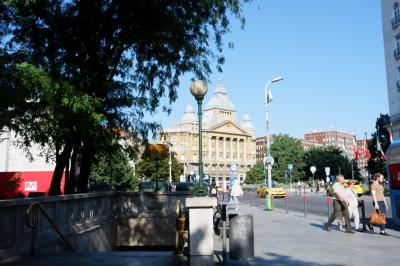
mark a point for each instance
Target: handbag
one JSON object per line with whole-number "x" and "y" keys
{"x": 377, "y": 217}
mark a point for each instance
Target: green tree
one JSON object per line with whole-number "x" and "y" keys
{"x": 113, "y": 168}
{"x": 377, "y": 163}
{"x": 287, "y": 150}
{"x": 255, "y": 174}
{"x": 85, "y": 67}
{"x": 156, "y": 167}
{"x": 331, "y": 157}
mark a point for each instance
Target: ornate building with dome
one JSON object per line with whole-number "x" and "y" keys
{"x": 226, "y": 141}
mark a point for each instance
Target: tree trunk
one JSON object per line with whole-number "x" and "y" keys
{"x": 70, "y": 186}
{"x": 86, "y": 164}
{"x": 61, "y": 163}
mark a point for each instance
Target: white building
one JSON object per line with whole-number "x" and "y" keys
{"x": 14, "y": 159}
{"x": 391, "y": 36}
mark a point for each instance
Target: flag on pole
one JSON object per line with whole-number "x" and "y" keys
{"x": 367, "y": 154}
{"x": 390, "y": 134}
{"x": 379, "y": 147}
{"x": 356, "y": 151}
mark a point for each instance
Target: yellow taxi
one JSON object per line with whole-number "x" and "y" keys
{"x": 277, "y": 190}
{"x": 357, "y": 188}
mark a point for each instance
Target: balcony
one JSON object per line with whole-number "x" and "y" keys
{"x": 397, "y": 53}
{"x": 395, "y": 22}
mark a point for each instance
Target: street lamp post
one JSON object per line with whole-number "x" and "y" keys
{"x": 199, "y": 89}
{"x": 268, "y": 160}
{"x": 170, "y": 163}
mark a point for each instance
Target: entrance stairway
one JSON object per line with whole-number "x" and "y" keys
{"x": 118, "y": 258}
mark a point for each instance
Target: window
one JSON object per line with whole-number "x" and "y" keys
{"x": 397, "y": 47}
{"x": 396, "y": 13}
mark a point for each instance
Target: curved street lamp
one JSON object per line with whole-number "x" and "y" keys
{"x": 199, "y": 89}
{"x": 268, "y": 160}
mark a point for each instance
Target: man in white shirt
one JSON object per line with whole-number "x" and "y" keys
{"x": 340, "y": 204}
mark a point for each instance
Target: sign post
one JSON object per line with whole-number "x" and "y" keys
{"x": 290, "y": 167}
{"x": 312, "y": 170}
{"x": 327, "y": 172}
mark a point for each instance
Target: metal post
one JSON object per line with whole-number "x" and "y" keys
{"x": 268, "y": 198}
{"x": 35, "y": 216}
{"x": 223, "y": 213}
{"x": 268, "y": 99}
{"x": 287, "y": 203}
{"x": 362, "y": 203}
{"x": 199, "y": 104}
{"x": 170, "y": 164}
{"x": 328, "y": 202}
{"x": 305, "y": 206}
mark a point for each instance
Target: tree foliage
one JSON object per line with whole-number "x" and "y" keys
{"x": 156, "y": 167}
{"x": 287, "y": 150}
{"x": 255, "y": 174}
{"x": 331, "y": 157}
{"x": 113, "y": 168}
{"x": 73, "y": 70}
{"x": 377, "y": 163}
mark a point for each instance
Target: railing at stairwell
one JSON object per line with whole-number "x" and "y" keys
{"x": 31, "y": 220}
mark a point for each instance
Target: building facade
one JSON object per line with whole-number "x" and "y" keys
{"x": 225, "y": 141}
{"x": 391, "y": 37}
{"x": 338, "y": 138}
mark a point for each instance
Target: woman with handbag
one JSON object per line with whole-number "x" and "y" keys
{"x": 379, "y": 201}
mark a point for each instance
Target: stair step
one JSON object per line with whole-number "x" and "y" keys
{"x": 129, "y": 258}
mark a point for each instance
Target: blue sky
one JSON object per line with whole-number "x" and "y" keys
{"x": 330, "y": 54}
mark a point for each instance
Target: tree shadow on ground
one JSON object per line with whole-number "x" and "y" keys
{"x": 274, "y": 260}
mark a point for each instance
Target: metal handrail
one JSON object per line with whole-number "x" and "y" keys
{"x": 31, "y": 222}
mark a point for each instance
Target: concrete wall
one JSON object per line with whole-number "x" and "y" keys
{"x": 390, "y": 34}
{"x": 92, "y": 222}
{"x": 148, "y": 219}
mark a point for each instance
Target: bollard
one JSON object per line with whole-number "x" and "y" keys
{"x": 241, "y": 237}
{"x": 287, "y": 203}
{"x": 305, "y": 206}
{"x": 362, "y": 205}
{"x": 272, "y": 202}
{"x": 223, "y": 214}
{"x": 328, "y": 202}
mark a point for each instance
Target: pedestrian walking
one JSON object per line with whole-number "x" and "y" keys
{"x": 213, "y": 188}
{"x": 378, "y": 199}
{"x": 340, "y": 205}
{"x": 323, "y": 184}
{"x": 353, "y": 206}
{"x": 236, "y": 192}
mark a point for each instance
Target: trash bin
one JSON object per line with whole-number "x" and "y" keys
{"x": 241, "y": 237}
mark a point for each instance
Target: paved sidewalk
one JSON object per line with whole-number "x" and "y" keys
{"x": 291, "y": 239}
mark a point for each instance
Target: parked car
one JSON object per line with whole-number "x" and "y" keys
{"x": 357, "y": 188}
{"x": 277, "y": 190}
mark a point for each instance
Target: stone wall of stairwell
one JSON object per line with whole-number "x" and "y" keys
{"x": 92, "y": 222}
{"x": 148, "y": 218}
{"x": 87, "y": 220}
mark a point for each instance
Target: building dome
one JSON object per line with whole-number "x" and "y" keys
{"x": 220, "y": 99}
{"x": 247, "y": 124}
{"x": 189, "y": 116}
